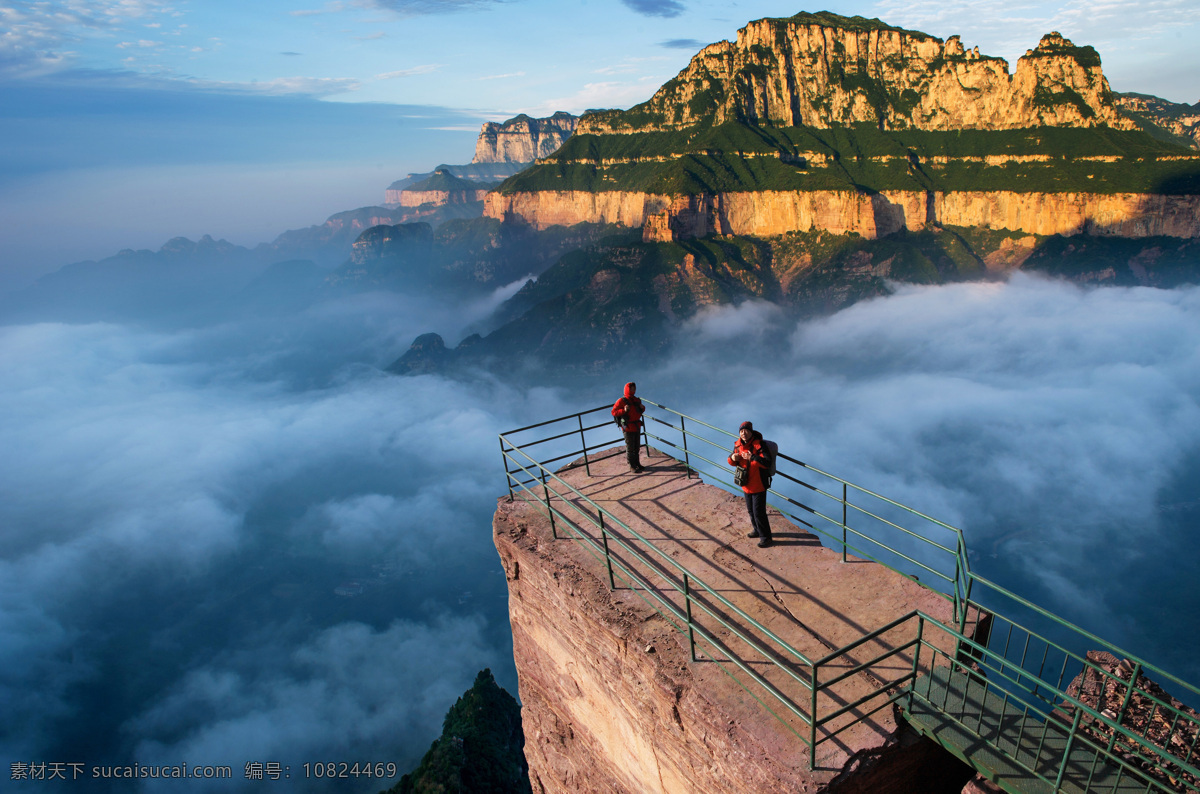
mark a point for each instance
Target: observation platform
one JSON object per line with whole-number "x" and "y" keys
{"x": 834, "y": 632}
{"x": 752, "y": 609}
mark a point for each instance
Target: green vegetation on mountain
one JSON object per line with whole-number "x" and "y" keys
{"x": 856, "y": 23}
{"x": 480, "y": 750}
{"x": 466, "y": 256}
{"x": 444, "y": 179}
{"x": 738, "y": 157}
{"x": 617, "y": 298}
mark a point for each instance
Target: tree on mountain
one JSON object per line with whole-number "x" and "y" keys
{"x": 480, "y": 750}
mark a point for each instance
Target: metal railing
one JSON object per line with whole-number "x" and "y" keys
{"x": 1031, "y": 662}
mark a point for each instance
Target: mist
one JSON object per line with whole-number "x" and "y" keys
{"x": 244, "y": 541}
{"x": 240, "y": 540}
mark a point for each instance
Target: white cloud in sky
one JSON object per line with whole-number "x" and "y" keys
{"x": 1008, "y": 29}
{"x": 410, "y": 72}
{"x": 605, "y": 94}
{"x": 37, "y": 34}
{"x": 502, "y": 76}
{"x": 328, "y": 8}
{"x": 309, "y": 86}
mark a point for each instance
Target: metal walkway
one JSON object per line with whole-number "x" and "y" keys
{"x": 1021, "y": 695}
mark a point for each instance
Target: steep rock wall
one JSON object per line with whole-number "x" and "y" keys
{"x": 805, "y": 71}
{"x": 523, "y": 139}
{"x": 438, "y": 198}
{"x": 770, "y": 213}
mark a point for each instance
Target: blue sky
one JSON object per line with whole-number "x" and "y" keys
{"x": 139, "y": 120}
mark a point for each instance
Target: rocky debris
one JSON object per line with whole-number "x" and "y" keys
{"x": 1142, "y": 716}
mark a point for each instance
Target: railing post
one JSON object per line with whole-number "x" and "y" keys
{"x": 1062, "y": 768}
{"x": 645, "y": 438}
{"x": 687, "y": 462}
{"x": 687, "y": 597}
{"x": 962, "y": 619}
{"x": 812, "y": 722}
{"x": 916, "y": 660}
{"x": 844, "y": 497}
{"x": 549, "y": 509}
{"x": 612, "y": 584}
{"x": 507, "y": 473}
{"x": 583, "y": 443}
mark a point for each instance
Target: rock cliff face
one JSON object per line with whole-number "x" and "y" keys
{"x": 523, "y": 139}
{"x": 851, "y": 125}
{"x": 440, "y": 189}
{"x": 1182, "y": 120}
{"x": 770, "y": 213}
{"x": 821, "y": 70}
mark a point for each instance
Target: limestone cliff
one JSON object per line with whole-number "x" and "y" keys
{"x": 523, "y": 139}
{"x": 442, "y": 188}
{"x": 852, "y": 125}
{"x": 1178, "y": 119}
{"x": 769, "y": 213}
{"x": 821, "y": 70}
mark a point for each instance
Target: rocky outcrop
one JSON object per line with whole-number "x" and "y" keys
{"x": 823, "y": 70}
{"x": 1177, "y": 118}
{"x": 771, "y": 213}
{"x": 442, "y": 188}
{"x": 523, "y": 139}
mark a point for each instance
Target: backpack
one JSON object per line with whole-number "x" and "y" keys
{"x": 769, "y": 471}
{"x": 625, "y": 402}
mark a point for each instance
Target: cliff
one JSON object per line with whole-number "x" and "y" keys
{"x": 1176, "y": 118}
{"x": 523, "y": 139}
{"x": 442, "y": 188}
{"x": 853, "y": 125}
{"x": 822, "y": 70}
{"x": 629, "y": 299}
{"x": 771, "y": 213}
{"x": 612, "y": 700}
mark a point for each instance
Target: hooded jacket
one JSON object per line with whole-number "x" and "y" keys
{"x": 630, "y": 408}
{"x": 758, "y": 461}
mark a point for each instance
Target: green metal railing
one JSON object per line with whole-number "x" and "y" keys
{"x": 1026, "y": 666}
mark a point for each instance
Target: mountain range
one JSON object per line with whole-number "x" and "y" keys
{"x": 813, "y": 161}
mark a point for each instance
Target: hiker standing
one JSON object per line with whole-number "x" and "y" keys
{"x": 750, "y": 456}
{"x": 627, "y": 412}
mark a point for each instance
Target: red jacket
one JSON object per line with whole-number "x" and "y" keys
{"x": 631, "y": 408}
{"x": 758, "y": 459}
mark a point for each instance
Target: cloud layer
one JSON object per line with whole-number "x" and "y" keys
{"x": 1057, "y": 426}
{"x": 244, "y": 542}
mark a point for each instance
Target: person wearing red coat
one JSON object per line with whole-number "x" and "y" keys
{"x": 750, "y": 455}
{"x": 627, "y": 412}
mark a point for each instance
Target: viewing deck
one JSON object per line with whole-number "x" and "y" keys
{"x": 797, "y": 591}
{"x": 640, "y": 607}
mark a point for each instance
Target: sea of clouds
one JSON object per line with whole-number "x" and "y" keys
{"x": 181, "y": 508}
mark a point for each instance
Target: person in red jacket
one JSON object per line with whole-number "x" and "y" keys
{"x": 628, "y": 412}
{"x": 749, "y": 456}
